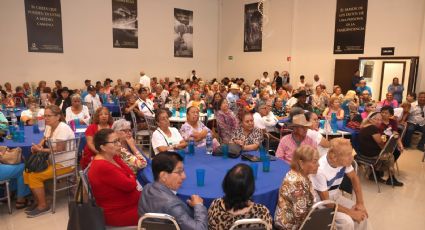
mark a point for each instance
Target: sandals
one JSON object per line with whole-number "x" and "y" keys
{"x": 23, "y": 204}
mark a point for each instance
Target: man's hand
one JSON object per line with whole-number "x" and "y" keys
{"x": 357, "y": 216}
{"x": 194, "y": 200}
{"x": 361, "y": 207}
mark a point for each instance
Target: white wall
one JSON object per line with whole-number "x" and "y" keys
{"x": 276, "y": 40}
{"x": 87, "y": 40}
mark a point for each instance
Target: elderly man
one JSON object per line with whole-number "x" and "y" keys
{"x": 285, "y": 77}
{"x": 362, "y": 87}
{"x": 92, "y": 98}
{"x": 145, "y": 81}
{"x": 416, "y": 121}
{"x": 232, "y": 97}
{"x": 333, "y": 166}
{"x": 160, "y": 196}
{"x": 160, "y": 95}
{"x": 265, "y": 120}
{"x": 317, "y": 81}
{"x": 289, "y": 143}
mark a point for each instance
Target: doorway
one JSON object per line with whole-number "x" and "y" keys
{"x": 344, "y": 72}
{"x": 390, "y": 70}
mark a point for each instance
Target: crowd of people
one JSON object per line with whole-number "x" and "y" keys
{"x": 244, "y": 115}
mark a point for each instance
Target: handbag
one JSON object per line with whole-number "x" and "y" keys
{"x": 84, "y": 216}
{"x": 37, "y": 162}
{"x": 10, "y": 156}
{"x": 234, "y": 151}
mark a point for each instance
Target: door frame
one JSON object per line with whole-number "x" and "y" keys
{"x": 382, "y": 73}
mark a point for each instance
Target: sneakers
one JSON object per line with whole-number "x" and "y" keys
{"x": 395, "y": 182}
{"x": 37, "y": 212}
{"x": 31, "y": 208}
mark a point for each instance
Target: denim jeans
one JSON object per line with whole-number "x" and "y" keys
{"x": 14, "y": 173}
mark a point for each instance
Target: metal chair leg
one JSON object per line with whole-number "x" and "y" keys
{"x": 398, "y": 170}
{"x": 9, "y": 202}
{"x": 54, "y": 197}
{"x": 376, "y": 180}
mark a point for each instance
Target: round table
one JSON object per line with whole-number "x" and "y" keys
{"x": 267, "y": 184}
{"x": 113, "y": 108}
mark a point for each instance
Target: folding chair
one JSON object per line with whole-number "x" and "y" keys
{"x": 150, "y": 121}
{"x": 320, "y": 216}
{"x": 7, "y": 197}
{"x": 370, "y": 162}
{"x": 140, "y": 135}
{"x": 64, "y": 152}
{"x": 250, "y": 224}
{"x": 157, "y": 221}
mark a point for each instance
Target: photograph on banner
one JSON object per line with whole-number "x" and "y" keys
{"x": 350, "y": 26}
{"x": 183, "y": 33}
{"x": 124, "y": 23}
{"x": 253, "y": 35}
{"x": 44, "y": 26}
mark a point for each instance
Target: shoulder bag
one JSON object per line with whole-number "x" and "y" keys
{"x": 10, "y": 156}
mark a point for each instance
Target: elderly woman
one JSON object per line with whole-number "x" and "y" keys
{"x": 160, "y": 196}
{"x": 129, "y": 152}
{"x": 389, "y": 101}
{"x": 389, "y": 126}
{"x": 113, "y": 182}
{"x": 56, "y": 130}
{"x": 238, "y": 187}
{"x": 197, "y": 101}
{"x": 371, "y": 142}
{"x": 226, "y": 120}
{"x": 337, "y": 92}
{"x": 102, "y": 119}
{"x": 133, "y": 107}
{"x": 6, "y": 99}
{"x": 278, "y": 110}
{"x": 217, "y": 97}
{"x": 174, "y": 100}
{"x": 166, "y": 138}
{"x": 77, "y": 111}
{"x": 27, "y": 116}
{"x": 295, "y": 193}
{"x": 319, "y": 100}
{"x": 334, "y": 107}
{"x": 247, "y": 136}
{"x": 193, "y": 128}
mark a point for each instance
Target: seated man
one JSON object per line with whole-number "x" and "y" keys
{"x": 333, "y": 167}
{"x": 160, "y": 196}
{"x": 362, "y": 87}
{"x": 265, "y": 120}
{"x": 416, "y": 121}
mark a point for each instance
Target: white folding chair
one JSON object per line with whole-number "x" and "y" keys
{"x": 7, "y": 195}
{"x": 250, "y": 224}
{"x": 64, "y": 155}
{"x": 140, "y": 135}
{"x": 157, "y": 221}
{"x": 320, "y": 216}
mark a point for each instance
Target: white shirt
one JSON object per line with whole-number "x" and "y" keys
{"x": 83, "y": 115}
{"x": 317, "y": 137}
{"x": 301, "y": 84}
{"x": 61, "y": 133}
{"x": 95, "y": 100}
{"x": 145, "y": 81}
{"x": 159, "y": 138}
{"x": 28, "y": 113}
{"x": 265, "y": 79}
{"x": 327, "y": 176}
{"x": 267, "y": 122}
{"x": 316, "y": 83}
{"x": 144, "y": 106}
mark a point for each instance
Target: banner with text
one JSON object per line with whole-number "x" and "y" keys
{"x": 44, "y": 26}
{"x": 253, "y": 36}
{"x": 124, "y": 23}
{"x": 350, "y": 26}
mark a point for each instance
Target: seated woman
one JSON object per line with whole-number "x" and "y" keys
{"x": 243, "y": 104}
{"x": 14, "y": 173}
{"x": 132, "y": 106}
{"x": 4, "y": 123}
{"x": 129, "y": 152}
{"x": 102, "y": 119}
{"x": 313, "y": 132}
{"x": 278, "y": 109}
{"x": 226, "y": 120}
{"x": 217, "y": 97}
{"x": 389, "y": 126}
{"x": 354, "y": 119}
{"x": 389, "y": 101}
{"x": 27, "y": 116}
{"x": 371, "y": 144}
{"x": 174, "y": 100}
{"x": 369, "y": 108}
{"x": 319, "y": 100}
{"x": 77, "y": 111}
{"x": 337, "y": 92}
{"x": 334, "y": 107}
{"x": 166, "y": 138}
{"x": 113, "y": 183}
{"x": 64, "y": 101}
{"x": 238, "y": 186}
{"x": 295, "y": 194}
{"x": 247, "y": 136}
{"x": 6, "y": 99}
{"x": 405, "y": 114}
{"x": 193, "y": 128}
{"x": 160, "y": 196}
{"x": 350, "y": 96}
{"x": 282, "y": 94}
{"x": 197, "y": 101}
{"x": 56, "y": 130}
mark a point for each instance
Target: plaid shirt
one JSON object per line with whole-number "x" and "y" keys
{"x": 287, "y": 146}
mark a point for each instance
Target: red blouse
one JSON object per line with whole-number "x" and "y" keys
{"x": 114, "y": 189}
{"x": 87, "y": 153}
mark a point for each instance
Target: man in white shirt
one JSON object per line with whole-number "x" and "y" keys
{"x": 145, "y": 104}
{"x": 265, "y": 120}
{"x": 92, "y": 98}
{"x": 145, "y": 81}
{"x": 316, "y": 81}
{"x": 265, "y": 78}
{"x": 333, "y": 167}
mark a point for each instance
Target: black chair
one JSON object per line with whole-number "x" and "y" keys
{"x": 157, "y": 221}
{"x": 370, "y": 162}
{"x": 320, "y": 216}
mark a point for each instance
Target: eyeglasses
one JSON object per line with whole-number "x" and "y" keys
{"x": 179, "y": 172}
{"x": 126, "y": 130}
{"x": 48, "y": 115}
{"x": 115, "y": 142}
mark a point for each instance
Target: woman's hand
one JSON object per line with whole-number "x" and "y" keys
{"x": 36, "y": 148}
{"x": 130, "y": 141}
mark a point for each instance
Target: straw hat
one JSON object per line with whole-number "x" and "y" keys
{"x": 234, "y": 86}
{"x": 300, "y": 120}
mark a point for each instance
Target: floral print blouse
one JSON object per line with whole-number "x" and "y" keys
{"x": 295, "y": 201}
{"x": 255, "y": 137}
{"x": 227, "y": 123}
{"x": 134, "y": 162}
{"x": 186, "y": 131}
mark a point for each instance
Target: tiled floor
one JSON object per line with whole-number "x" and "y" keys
{"x": 398, "y": 208}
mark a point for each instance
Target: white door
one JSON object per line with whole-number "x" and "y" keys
{"x": 390, "y": 71}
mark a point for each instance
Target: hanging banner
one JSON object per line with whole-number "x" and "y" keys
{"x": 350, "y": 26}
{"x": 183, "y": 33}
{"x": 44, "y": 26}
{"x": 253, "y": 36}
{"x": 124, "y": 23}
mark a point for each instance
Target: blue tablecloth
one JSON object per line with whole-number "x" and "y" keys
{"x": 267, "y": 184}
{"x": 17, "y": 113}
{"x": 115, "y": 109}
{"x": 30, "y": 138}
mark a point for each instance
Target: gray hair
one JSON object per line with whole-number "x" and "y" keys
{"x": 75, "y": 96}
{"x": 121, "y": 124}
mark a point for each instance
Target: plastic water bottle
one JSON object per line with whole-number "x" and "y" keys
{"x": 14, "y": 119}
{"x": 334, "y": 124}
{"x": 191, "y": 146}
{"x": 209, "y": 143}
